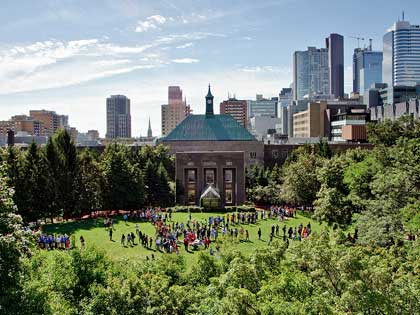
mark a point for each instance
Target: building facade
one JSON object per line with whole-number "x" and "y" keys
{"x": 236, "y": 108}
{"x": 349, "y": 126}
{"x": 50, "y": 120}
{"x": 335, "y": 45}
{"x": 310, "y": 123}
{"x": 310, "y": 73}
{"x": 367, "y": 69}
{"x": 401, "y": 55}
{"x": 261, "y": 126}
{"x": 118, "y": 117}
{"x": 224, "y": 172}
{"x": 175, "y": 111}
{"x": 262, "y": 107}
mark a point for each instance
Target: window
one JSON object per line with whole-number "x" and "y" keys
{"x": 228, "y": 176}
{"x": 210, "y": 176}
{"x": 191, "y": 176}
{"x": 191, "y": 196}
{"x": 191, "y": 186}
{"x": 253, "y": 155}
{"x": 274, "y": 153}
{"x": 228, "y": 196}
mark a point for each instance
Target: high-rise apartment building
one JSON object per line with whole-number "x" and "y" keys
{"x": 310, "y": 73}
{"x": 401, "y": 55}
{"x": 367, "y": 69}
{"x": 28, "y": 124}
{"x": 118, "y": 117}
{"x": 175, "y": 111}
{"x": 335, "y": 45}
{"x": 235, "y": 108}
{"x": 50, "y": 119}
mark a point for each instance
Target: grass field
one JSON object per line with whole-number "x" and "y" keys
{"x": 95, "y": 234}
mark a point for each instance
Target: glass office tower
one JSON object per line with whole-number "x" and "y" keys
{"x": 401, "y": 60}
{"x": 367, "y": 69}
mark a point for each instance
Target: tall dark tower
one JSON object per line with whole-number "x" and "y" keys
{"x": 209, "y": 104}
{"x": 335, "y": 46}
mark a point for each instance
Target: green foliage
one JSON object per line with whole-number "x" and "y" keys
{"x": 300, "y": 182}
{"x": 124, "y": 187}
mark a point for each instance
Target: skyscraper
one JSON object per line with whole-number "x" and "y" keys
{"x": 367, "y": 69}
{"x": 235, "y": 108}
{"x": 118, "y": 118}
{"x": 401, "y": 59}
{"x": 335, "y": 45}
{"x": 310, "y": 73}
{"x": 175, "y": 111}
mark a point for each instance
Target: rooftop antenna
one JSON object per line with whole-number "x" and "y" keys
{"x": 403, "y": 15}
{"x": 370, "y": 44}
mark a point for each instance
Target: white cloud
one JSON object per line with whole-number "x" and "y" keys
{"x": 152, "y": 22}
{"x": 185, "y": 45}
{"x": 185, "y": 60}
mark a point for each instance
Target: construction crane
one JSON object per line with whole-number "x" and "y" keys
{"x": 358, "y": 40}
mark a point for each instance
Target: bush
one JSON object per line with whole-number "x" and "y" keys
{"x": 192, "y": 209}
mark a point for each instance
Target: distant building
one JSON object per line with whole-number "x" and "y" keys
{"x": 50, "y": 120}
{"x": 261, "y": 126}
{"x": 316, "y": 120}
{"x": 310, "y": 73}
{"x": 118, "y": 117}
{"x": 93, "y": 135}
{"x": 262, "y": 107}
{"x": 349, "y": 126}
{"x": 175, "y": 111}
{"x": 335, "y": 45}
{"x": 310, "y": 123}
{"x": 397, "y": 110}
{"x": 285, "y": 99}
{"x": 28, "y": 124}
{"x": 236, "y": 108}
{"x": 367, "y": 69}
{"x": 401, "y": 55}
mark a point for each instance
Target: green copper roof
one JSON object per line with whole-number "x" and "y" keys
{"x": 202, "y": 127}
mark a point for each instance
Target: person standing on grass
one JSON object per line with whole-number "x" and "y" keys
{"x": 259, "y": 233}
{"x": 271, "y": 239}
{"x": 82, "y": 241}
{"x": 123, "y": 240}
{"x": 246, "y": 235}
{"x": 110, "y": 233}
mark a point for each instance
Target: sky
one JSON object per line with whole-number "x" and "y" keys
{"x": 70, "y": 55}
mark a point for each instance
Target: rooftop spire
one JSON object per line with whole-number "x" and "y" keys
{"x": 209, "y": 104}
{"x": 149, "y": 130}
{"x": 209, "y": 92}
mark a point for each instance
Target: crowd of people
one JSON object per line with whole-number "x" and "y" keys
{"x": 168, "y": 235}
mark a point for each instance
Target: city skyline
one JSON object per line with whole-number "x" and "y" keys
{"x": 54, "y": 56}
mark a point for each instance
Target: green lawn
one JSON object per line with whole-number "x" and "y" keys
{"x": 95, "y": 234}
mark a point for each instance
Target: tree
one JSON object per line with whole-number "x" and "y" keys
{"x": 163, "y": 191}
{"x": 90, "y": 183}
{"x": 151, "y": 181}
{"x": 124, "y": 186}
{"x": 14, "y": 244}
{"x": 300, "y": 182}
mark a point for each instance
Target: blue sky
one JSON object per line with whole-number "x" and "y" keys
{"x": 69, "y": 56}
